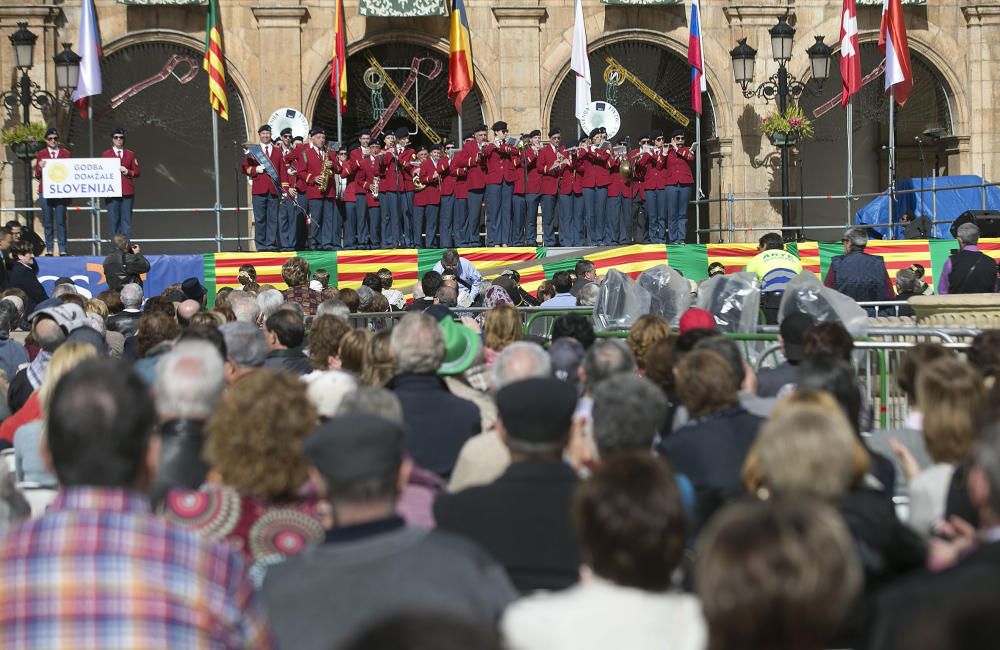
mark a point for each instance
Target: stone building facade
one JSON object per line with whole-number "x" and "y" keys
{"x": 278, "y": 55}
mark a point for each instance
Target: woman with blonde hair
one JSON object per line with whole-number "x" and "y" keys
{"x": 379, "y": 366}
{"x": 646, "y": 331}
{"x": 30, "y": 419}
{"x": 257, "y": 496}
{"x": 502, "y": 327}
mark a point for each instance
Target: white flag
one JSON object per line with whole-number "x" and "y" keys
{"x": 580, "y": 63}
{"x": 89, "y": 81}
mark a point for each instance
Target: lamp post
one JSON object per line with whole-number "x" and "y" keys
{"x": 781, "y": 85}
{"x": 26, "y": 93}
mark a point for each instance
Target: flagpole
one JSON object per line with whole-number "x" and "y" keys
{"x": 95, "y": 215}
{"x": 215, "y": 167}
{"x": 459, "y": 140}
{"x": 340, "y": 125}
{"x": 697, "y": 177}
{"x": 892, "y": 155}
{"x": 850, "y": 160}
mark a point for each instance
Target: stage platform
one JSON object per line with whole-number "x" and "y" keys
{"x": 347, "y": 268}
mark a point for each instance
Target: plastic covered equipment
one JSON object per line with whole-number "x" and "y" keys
{"x": 805, "y": 293}
{"x": 670, "y": 292}
{"x": 620, "y": 302}
{"x": 734, "y": 301}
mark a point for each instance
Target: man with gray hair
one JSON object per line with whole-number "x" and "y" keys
{"x": 857, "y": 274}
{"x": 247, "y": 349}
{"x": 127, "y": 320}
{"x": 244, "y": 306}
{"x": 333, "y": 307}
{"x": 439, "y": 422}
{"x": 629, "y": 411}
{"x": 189, "y": 381}
{"x": 604, "y": 359}
{"x": 485, "y": 457}
{"x": 269, "y": 302}
{"x": 587, "y": 295}
{"x": 968, "y": 270}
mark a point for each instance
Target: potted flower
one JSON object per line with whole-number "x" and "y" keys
{"x": 786, "y": 129}
{"x": 24, "y": 139}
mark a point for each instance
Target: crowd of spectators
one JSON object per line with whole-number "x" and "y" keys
{"x": 265, "y": 469}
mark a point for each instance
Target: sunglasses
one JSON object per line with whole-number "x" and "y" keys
{"x": 51, "y": 138}
{"x": 287, "y": 135}
{"x": 118, "y": 137}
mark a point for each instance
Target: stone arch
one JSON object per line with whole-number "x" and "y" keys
{"x": 482, "y": 88}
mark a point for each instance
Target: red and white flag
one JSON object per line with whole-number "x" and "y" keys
{"x": 89, "y": 81}
{"x": 850, "y": 56}
{"x": 892, "y": 41}
{"x": 579, "y": 61}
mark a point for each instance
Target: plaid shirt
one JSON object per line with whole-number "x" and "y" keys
{"x": 306, "y": 297}
{"x": 100, "y": 571}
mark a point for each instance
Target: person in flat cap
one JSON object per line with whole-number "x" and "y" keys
{"x": 53, "y": 209}
{"x": 499, "y": 191}
{"x": 371, "y": 563}
{"x": 120, "y": 207}
{"x": 263, "y": 164}
{"x": 523, "y": 518}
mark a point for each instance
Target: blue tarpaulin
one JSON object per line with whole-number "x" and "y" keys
{"x": 950, "y": 203}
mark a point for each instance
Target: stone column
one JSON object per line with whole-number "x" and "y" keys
{"x": 519, "y": 85}
{"x": 984, "y": 93}
{"x": 279, "y": 56}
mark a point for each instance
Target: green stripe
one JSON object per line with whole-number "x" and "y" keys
{"x": 690, "y": 259}
{"x": 208, "y": 264}
{"x": 562, "y": 265}
{"x": 427, "y": 258}
{"x": 322, "y": 260}
{"x": 940, "y": 251}
{"x": 827, "y": 251}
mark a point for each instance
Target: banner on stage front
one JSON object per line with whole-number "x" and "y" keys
{"x": 72, "y": 178}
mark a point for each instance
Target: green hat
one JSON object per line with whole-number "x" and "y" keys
{"x": 461, "y": 344}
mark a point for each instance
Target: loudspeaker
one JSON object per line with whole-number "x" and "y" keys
{"x": 987, "y": 220}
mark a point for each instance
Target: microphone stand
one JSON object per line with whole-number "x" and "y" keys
{"x": 923, "y": 174}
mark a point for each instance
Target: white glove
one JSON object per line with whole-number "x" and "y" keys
{"x": 260, "y": 169}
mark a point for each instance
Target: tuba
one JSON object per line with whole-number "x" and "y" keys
{"x": 625, "y": 165}
{"x": 323, "y": 180}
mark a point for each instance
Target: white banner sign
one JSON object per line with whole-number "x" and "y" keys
{"x": 69, "y": 178}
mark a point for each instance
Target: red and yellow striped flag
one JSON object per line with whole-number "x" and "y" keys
{"x": 338, "y": 69}
{"x": 460, "y": 73}
{"x": 214, "y": 63}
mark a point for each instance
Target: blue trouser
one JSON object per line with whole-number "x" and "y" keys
{"x": 677, "y": 208}
{"x": 569, "y": 230}
{"x": 361, "y": 219}
{"x": 597, "y": 209}
{"x": 425, "y": 217}
{"x": 375, "y": 226}
{"x": 337, "y": 227}
{"x": 661, "y": 214}
{"x": 615, "y": 221}
{"x": 54, "y": 213}
{"x": 517, "y": 219}
{"x": 286, "y": 224}
{"x": 498, "y": 207}
{"x": 446, "y": 213}
{"x": 119, "y": 215}
{"x": 531, "y": 219}
{"x": 473, "y": 212}
{"x": 653, "y": 218}
{"x": 390, "y": 202}
{"x": 322, "y": 213}
{"x": 588, "y": 209}
{"x": 406, "y": 220}
{"x": 350, "y": 225}
{"x": 548, "y": 219}
{"x": 265, "y": 221}
{"x": 301, "y": 222}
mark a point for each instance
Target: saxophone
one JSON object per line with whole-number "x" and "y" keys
{"x": 323, "y": 180}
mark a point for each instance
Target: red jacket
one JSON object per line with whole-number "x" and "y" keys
{"x": 129, "y": 162}
{"x": 293, "y": 160}
{"x": 262, "y": 183}
{"x": 429, "y": 176}
{"x": 407, "y": 162}
{"x": 45, "y": 155}
{"x": 530, "y": 160}
{"x": 352, "y": 172}
{"x": 460, "y": 170}
{"x": 501, "y": 163}
{"x": 678, "y": 167}
{"x": 395, "y": 168}
{"x": 447, "y": 178}
{"x": 548, "y": 176}
{"x": 476, "y": 165}
{"x": 311, "y": 166}
{"x": 599, "y": 160}
{"x": 571, "y": 180}
{"x": 371, "y": 170}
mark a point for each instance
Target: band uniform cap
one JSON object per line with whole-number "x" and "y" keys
{"x": 298, "y": 138}
{"x": 286, "y": 131}
{"x": 341, "y": 149}
{"x": 422, "y": 147}
{"x": 481, "y": 127}
{"x": 594, "y": 132}
{"x": 535, "y": 134}
{"x": 655, "y": 133}
{"x": 264, "y": 127}
{"x": 539, "y": 409}
{"x": 694, "y": 319}
{"x": 118, "y": 131}
{"x": 676, "y": 132}
{"x": 192, "y": 289}
{"x": 468, "y": 135}
{"x": 449, "y": 143}
{"x": 51, "y": 131}
{"x": 499, "y": 126}
{"x": 317, "y": 130}
{"x": 355, "y": 447}
{"x": 402, "y": 132}
{"x": 434, "y": 147}
{"x": 554, "y": 131}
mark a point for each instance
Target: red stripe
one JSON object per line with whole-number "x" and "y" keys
{"x": 256, "y": 261}
{"x": 902, "y": 248}
{"x": 728, "y": 251}
{"x": 358, "y": 277}
{"x": 500, "y": 257}
{"x": 369, "y": 258}
{"x": 651, "y": 256}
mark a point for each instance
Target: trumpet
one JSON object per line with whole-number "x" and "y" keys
{"x": 374, "y": 187}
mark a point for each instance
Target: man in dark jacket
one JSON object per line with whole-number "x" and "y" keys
{"x": 127, "y": 320}
{"x": 857, "y": 274}
{"x": 523, "y": 518}
{"x": 968, "y": 270}
{"x": 371, "y": 563}
{"x": 125, "y": 264}
{"x": 285, "y": 331}
{"x": 439, "y": 422}
{"x": 23, "y": 274}
{"x": 189, "y": 382}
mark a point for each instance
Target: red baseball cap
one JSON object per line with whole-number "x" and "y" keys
{"x": 694, "y": 319}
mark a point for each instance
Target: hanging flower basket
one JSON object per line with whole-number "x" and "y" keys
{"x": 784, "y": 139}
{"x": 27, "y": 150}
{"x": 786, "y": 129}
{"x": 25, "y": 140}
